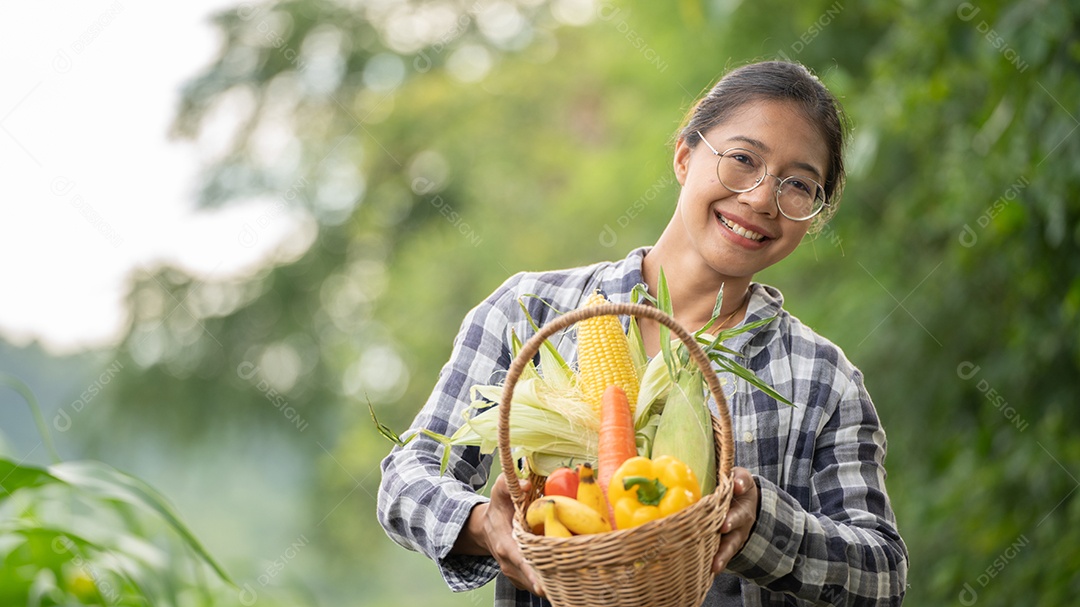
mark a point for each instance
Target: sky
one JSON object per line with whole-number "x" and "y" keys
{"x": 93, "y": 187}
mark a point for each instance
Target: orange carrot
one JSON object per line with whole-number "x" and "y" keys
{"x": 617, "y": 443}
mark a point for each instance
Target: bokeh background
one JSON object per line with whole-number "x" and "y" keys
{"x": 367, "y": 171}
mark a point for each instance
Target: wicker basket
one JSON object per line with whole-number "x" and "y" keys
{"x": 664, "y": 563}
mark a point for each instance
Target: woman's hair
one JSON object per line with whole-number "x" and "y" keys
{"x": 777, "y": 81}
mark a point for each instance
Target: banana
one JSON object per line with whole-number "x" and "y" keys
{"x": 543, "y": 518}
{"x": 589, "y": 492}
{"x": 578, "y": 518}
{"x": 553, "y": 527}
{"x": 534, "y": 516}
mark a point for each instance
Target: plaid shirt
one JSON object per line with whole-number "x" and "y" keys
{"x": 825, "y": 532}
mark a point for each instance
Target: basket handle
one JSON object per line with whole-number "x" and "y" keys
{"x": 532, "y": 347}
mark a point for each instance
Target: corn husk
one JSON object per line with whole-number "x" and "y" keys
{"x": 685, "y": 429}
{"x": 655, "y": 385}
{"x": 548, "y": 428}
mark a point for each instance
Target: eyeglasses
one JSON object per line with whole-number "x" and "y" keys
{"x": 799, "y": 198}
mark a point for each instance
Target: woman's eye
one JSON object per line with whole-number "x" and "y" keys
{"x": 800, "y": 185}
{"x": 744, "y": 159}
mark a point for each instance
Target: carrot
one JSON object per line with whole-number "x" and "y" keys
{"x": 617, "y": 443}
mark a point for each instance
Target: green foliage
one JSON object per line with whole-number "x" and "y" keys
{"x": 83, "y": 533}
{"x": 951, "y": 274}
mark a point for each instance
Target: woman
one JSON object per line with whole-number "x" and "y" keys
{"x": 758, "y": 160}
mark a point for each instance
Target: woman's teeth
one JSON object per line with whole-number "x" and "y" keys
{"x": 741, "y": 231}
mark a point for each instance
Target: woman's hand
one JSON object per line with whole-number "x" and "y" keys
{"x": 741, "y": 516}
{"x": 489, "y": 531}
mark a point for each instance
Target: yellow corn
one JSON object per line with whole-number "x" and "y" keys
{"x": 604, "y": 357}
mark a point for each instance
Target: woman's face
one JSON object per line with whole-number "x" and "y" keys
{"x": 738, "y": 235}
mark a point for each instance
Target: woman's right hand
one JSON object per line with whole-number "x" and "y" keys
{"x": 489, "y": 530}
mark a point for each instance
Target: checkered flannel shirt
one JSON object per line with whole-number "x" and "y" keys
{"x": 825, "y": 532}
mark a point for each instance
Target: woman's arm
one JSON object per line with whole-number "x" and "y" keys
{"x": 422, "y": 509}
{"x": 489, "y": 532}
{"x": 845, "y": 550}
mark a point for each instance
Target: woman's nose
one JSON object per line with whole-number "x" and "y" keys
{"x": 761, "y": 199}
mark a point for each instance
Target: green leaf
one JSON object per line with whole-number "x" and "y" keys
{"x": 515, "y": 343}
{"x": 387, "y": 431}
{"x": 15, "y": 476}
{"x": 656, "y": 382}
{"x": 729, "y": 333}
{"x": 49, "y": 547}
{"x": 663, "y": 297}
{"x": 715, "y": 343}
{"x": 743, "y": 372}
{"x": 715, "y": 313}
{"x": 640, "y": 292}
{"x": 35, "y": 409}
{"x": 554, "y": 365}
{"x": 444, "y": 462}
{"x": 713, "y": 348}
{"x": 102, "y": 481}
{"x": 529, "y": 370}
{"x": 637, "y": 347}
{"x": 646, "y": 434}
{"x": 398, "y": 440}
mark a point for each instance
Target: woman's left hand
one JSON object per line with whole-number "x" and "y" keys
{"x": 741, "y": 516}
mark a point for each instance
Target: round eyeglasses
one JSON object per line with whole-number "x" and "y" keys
{"x": 740, "y": 170}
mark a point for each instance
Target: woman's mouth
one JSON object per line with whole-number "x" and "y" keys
{"x": 741, "y": 231}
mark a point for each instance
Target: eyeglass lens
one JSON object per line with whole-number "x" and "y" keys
{"x": 742, "y": 170}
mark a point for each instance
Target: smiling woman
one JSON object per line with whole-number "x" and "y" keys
{"x": 810, "y": 519}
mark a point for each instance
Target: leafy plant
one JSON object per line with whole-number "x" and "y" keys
{"x": 84, "y": 533}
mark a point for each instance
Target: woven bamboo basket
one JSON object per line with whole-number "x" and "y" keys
{"x": 663, "y": 563}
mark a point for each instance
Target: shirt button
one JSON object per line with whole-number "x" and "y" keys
{"x": 747, "y": 437}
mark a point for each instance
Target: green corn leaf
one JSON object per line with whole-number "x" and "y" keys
{"x": 400, "y": 441}
{"x": 637, "y": 347}
{"x": 99, "y": 480}
{"x": 715, "y": 343}
{"x": 727, "y": 334}
{"x": 14, "y": 476}
{"x": 743, "y": 372}
{"x": 712, "y": 348}
{"x": 663, "y": 297}
{"x": 444, "y": 462}
{"x": 51, "y": 547}
{"x": 529, "y": 371}
{"x": 35, "y": 409}
{"x": 387, "y": 432}
{"x": 556, "y": 372}
{"x": 640, "y": 292}
{"x": 515, "y": 343}
{"x": 556, "y": 367}
{"x": 715, "y": 313}
{"x": 656, "y": 383}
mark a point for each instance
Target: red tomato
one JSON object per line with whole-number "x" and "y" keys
{"x": 563, "y": 481}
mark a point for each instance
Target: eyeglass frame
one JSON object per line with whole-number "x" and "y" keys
{"x": 776, "y": 194}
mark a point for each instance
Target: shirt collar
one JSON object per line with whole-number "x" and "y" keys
{"x": 621, "y": 278}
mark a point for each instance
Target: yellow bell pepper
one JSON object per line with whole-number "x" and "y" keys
{"x": 644, "y": 489}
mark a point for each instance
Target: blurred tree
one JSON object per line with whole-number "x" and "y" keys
{"x": 437, "y": 148}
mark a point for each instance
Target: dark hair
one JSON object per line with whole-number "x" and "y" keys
{"x": 777, "y": 81}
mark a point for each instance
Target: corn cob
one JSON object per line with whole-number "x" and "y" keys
{"x": 685, "y": 431}
{"x": 604, "y": 357}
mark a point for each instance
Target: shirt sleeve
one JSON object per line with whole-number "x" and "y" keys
{"x": 420, "y": 508}
{"x": 844, "y": 550}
